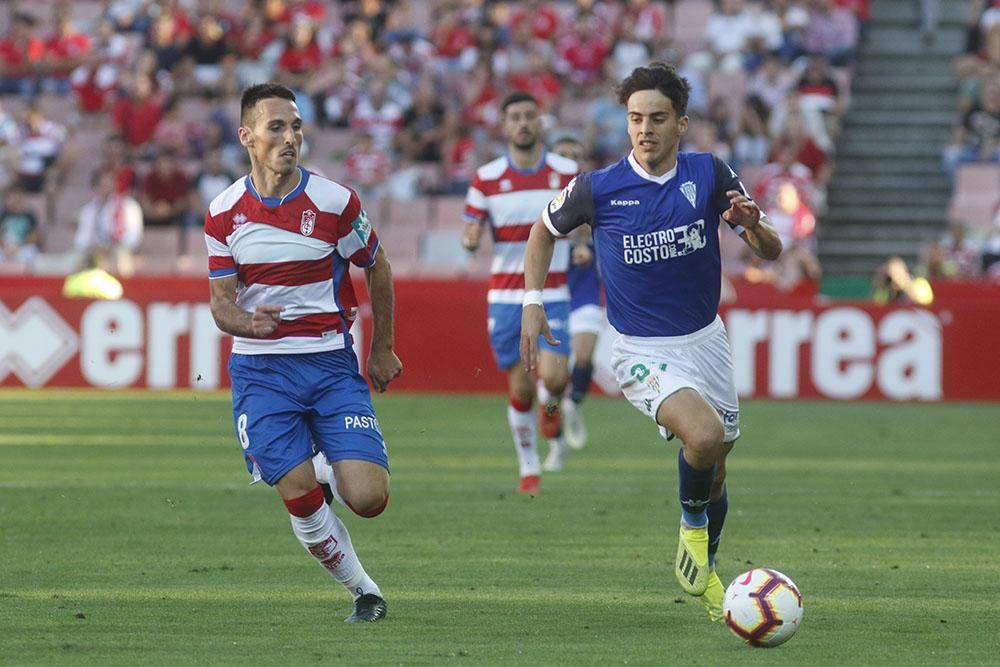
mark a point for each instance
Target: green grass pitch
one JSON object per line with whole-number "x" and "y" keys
{"x": 129, "y": 535}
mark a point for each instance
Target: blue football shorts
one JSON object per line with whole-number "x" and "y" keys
{"x": 505, "y": 331}
{"x": 288, "y": 406}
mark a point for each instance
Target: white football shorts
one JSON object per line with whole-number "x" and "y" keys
{"x": 586, "y": 319}
{"x": 649, "y": 370}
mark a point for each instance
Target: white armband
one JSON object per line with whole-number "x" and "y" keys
{"x": 532, "y": 297}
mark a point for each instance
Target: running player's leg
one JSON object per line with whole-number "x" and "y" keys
{"x": 689, "y": 416}
{"x": 343, "y": 426}
{"x": 325, "y": 537}
{"x": 583, "y": 344}
{"x": 553, "y": 372}
{"x": 505, "y": 340}
{"x": 523, "y": 429}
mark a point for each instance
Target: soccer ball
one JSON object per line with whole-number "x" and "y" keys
{"x": 763, "y": 607}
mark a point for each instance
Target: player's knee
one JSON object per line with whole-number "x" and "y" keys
{"x": 705, "y": 441}
{"x": 369, "y": 507}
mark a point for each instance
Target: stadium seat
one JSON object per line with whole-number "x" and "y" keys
{"x": 976, "y": 194}
{"x": 729, "y": 86}
{"x": 58, "y": 238}
{"x": 447, "y": 212}
{"x": 161, "y": 241}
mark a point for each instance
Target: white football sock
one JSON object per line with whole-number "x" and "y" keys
{"x": 325, "y": 536}
{"x": 324, "y": 474}
{"x": 522, "y": 427}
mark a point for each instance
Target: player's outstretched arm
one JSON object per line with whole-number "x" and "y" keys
{"x": 537, "y": 258}
{"x": 758, "y": 232}
{"x": 238, "y": 322}
{"x": 383, "y": 364}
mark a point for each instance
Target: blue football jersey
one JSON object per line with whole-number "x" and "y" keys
{"x": 657, "y": 239}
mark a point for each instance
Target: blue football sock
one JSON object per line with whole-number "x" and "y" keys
{"x": 716, "y": 519}
{"x": 695, "y": 487}
{"x": 580, "y": 379}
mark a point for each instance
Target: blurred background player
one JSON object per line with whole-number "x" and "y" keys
{"x": 280, "y": 242}
{"x": 655, "y": 217}
{"x": 509, "y": 193}
{"x": 586, "y": 316}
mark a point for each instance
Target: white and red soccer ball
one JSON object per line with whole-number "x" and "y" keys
{"x": 763, "y": 607}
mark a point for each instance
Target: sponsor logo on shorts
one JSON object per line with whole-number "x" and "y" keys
{"x": 729, "y": 418}
{"x": 361, "y": 421}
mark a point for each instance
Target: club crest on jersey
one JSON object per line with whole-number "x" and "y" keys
{"x": 506, "y": 185}
{"x": 690, "y": 192}
{"x": 308, "y": 223}
{"x": 553, "y": 180}
{"x": 239, "y": 219}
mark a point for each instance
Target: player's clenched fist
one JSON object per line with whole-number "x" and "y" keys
{"x": 265, "y": 319}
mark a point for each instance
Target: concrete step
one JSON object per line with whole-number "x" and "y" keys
{"x": 862, "y": 232}
{"x": 898, "y": 41}
{"x": 872, "y": 249}
{"x": 900, "y": 101}
{"x": 936, "y": 134}
{"x": 901, "y": 82}
{"x": 882, "y": 215}
{"x": 848, "y": 179}
{"x": 875, "y": 64}
{"x": 893, "y": 117}
{"x": 840, "y": 196}
{"x": 902, "y": 11}
{"x": 863, "y": 147}
{"x": 917, "y": 167}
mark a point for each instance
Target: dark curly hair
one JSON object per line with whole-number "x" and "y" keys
{"x": 657, "y": 76}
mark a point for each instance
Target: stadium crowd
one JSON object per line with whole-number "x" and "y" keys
{"x": 404, "y": 97}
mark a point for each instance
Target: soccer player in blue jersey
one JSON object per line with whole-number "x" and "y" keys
{"x": 586, "y": 315}
{"x": 655, "y": 221}
{"x": 280, "y": 243}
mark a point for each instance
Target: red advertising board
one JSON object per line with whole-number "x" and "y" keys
{"x": 161, "y": 335}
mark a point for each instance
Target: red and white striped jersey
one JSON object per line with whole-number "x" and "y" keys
{"x": 511, "y": 200}
{"x": 293, "y": 252}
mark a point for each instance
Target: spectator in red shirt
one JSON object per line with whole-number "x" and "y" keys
{"x": 137, "y": 115}
{"x": 165, "y": 194}
{"x": 582, "y": 53}
{"x": 302, "y": 55}
{"x": 21, "y": 57}
{"x": 544, "y": 20}
{"x": 65, "y": 50}
{"x": 539, "y": 81}
{"x": 452, "y": 37}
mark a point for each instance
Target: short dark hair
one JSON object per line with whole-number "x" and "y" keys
{"x": 262, "y": 91}
{"x": 657, "y": 76}
{"x": 516, "y": 97}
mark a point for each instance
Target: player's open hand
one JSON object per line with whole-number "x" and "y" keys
{"x": 743, "y": 211}
{"x": 265, "y": 319}
{"x": 533, "y": 324}
{"x": 383, "y": 367}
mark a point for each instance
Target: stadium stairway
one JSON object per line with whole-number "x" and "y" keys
{"x": 889, "y": 193}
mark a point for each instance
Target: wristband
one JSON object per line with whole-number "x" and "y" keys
{"x": 532, "y": 297}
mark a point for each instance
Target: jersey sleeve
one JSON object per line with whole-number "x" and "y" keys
{"x": 476, "y": 209}
{"x": 356, "y": 239}
{"x": 725, "y": 180}
{"x": 572, "y": 207}
{"x": 220, "y": 258}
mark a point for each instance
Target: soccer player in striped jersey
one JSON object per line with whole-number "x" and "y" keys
{"x": 280, "y": 242}
{"x": 655, "y": 219}
{"x": 509, "y": 194}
